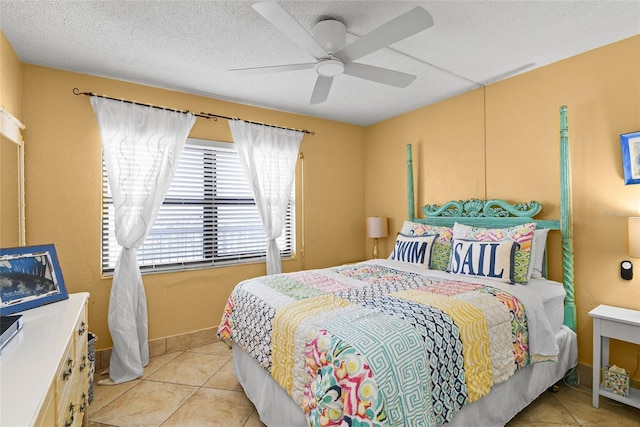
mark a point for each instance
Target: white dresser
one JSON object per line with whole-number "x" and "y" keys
{"x": 44, "y": 368}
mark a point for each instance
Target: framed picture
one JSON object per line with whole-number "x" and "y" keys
{"x": 630, "y": 144}
{"x": 30, "y": 276}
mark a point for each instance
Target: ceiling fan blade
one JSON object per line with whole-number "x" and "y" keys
{"x": 405, "y": 25}
{"x": 273, "y": 69}
{"x": 283, "y": 21}
{"x": 377, "y": 74}
{"x": 321, "y": 89}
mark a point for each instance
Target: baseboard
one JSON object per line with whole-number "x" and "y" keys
{"x": 161, "y": 346}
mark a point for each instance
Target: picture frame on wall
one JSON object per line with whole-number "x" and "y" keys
{"x": 30, "y": 276}
{"x": 630, "y": 145}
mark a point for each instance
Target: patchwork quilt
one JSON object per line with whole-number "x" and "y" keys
{"x": 372, "y": 345}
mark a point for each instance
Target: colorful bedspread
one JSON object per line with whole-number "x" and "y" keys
{"x": 368, "y": 344}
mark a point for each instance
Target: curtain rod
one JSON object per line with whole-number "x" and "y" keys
{"x": 204, "y": 115}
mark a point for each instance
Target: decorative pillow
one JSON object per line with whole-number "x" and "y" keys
{"x": 413, "y": 249}
{"x": 441, "y": 246}
{"x": 493, "y": 260}
{"x": 538, "y": 248}
{"x": 523, "y": 234}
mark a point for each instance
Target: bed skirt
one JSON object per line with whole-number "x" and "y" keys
{"x": 276, "y": 409}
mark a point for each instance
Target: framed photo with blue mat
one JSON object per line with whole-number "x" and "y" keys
{"x": 30, "y": 276}
{"x": 630, "y": 145}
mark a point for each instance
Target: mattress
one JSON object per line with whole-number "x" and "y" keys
{"x": 276, "y": 409}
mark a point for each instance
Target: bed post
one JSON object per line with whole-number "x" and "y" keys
{"x": 566, "y": 223}
{"x": 410, "y": 195}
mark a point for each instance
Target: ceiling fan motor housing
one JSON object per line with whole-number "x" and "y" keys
{"x": 330, "y": 34}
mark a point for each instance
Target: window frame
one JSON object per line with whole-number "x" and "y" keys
{"x": 211, "y": 203}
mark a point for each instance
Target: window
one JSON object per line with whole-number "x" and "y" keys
{"x": 208, "y": 217}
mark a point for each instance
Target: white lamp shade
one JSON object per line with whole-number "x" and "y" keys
{"x": 634, "y": 236}
{"x": 377, "y": 227}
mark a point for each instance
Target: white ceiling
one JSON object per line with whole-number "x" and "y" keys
{"x": 189, "y": 45}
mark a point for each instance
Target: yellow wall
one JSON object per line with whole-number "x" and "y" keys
{"x": 10, "y": 98}
{"x": 10, "y": 78}
{"x": 63, "y": 195}
{"x": 519, "y": 161}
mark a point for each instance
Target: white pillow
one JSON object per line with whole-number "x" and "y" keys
{"x": 538, "y": 248}
{"x": 491, "y": 260}
{"x": 413, "y": 249}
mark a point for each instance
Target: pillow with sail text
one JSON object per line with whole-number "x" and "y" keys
{"x": 522, "y": 234}
{"x": 491, "y": 260}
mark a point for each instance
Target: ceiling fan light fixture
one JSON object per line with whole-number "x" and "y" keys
{"x": 330, "y": 67}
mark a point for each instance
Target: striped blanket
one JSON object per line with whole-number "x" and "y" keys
{"x": 369, "y": 344}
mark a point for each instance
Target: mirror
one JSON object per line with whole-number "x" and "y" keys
{"x": 12, "y": 230}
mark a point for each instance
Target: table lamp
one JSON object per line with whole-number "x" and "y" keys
{"x": 377, "y": 228}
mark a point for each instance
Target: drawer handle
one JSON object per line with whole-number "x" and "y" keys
{"x": 72, "y": 418}
{"x": 66, "y": 374}
{"x": 82, "y": 329}
{"x": 83, "y": 406}
{"x": 84, "y": 363}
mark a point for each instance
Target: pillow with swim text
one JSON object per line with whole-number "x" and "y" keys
{"x": 413, "y": 249}
{"x": 441, "y": 246}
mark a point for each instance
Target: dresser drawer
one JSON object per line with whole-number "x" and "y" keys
{"x": 65, "y": 376}
{"x": 68, "y": 416}
{"x": 82, "y": 357}
{"x": 82, "y": 334}
{"x": 82, "y": 405}
{"x": 47, "y": 415}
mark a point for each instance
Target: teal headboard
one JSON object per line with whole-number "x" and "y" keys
{"x": 500, "y": 213}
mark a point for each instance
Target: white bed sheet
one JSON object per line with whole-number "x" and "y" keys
{"x": 277, "y": 409}
{"x": 552, "y": 295}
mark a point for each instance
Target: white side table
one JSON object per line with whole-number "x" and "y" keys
{"x": 619, "y": 323}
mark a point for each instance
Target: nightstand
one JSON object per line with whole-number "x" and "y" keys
{"x": 621, "y": 324}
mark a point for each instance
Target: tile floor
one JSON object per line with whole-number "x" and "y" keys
{"x": 196, "y": 387}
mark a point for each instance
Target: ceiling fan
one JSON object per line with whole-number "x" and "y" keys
{"x": 327, "y": 45}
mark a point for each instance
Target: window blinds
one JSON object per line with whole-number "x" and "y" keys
{"x": 208, "y": 217}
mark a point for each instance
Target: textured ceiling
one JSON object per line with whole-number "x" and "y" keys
{"x": 189, "y": 46}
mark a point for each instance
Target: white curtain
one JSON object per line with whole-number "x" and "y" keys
{"x": 268, "y": 156}
{"x": 141, "y": 148}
